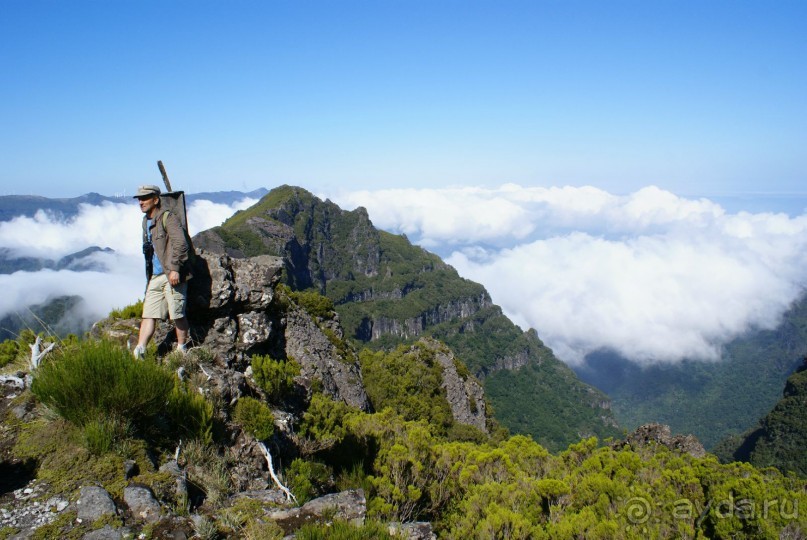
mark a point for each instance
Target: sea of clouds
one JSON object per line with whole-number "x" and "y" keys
{"x": 652, "y": 276}
{"x": 120, "y": 280}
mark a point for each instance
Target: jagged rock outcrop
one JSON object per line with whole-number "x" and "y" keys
{"x": 661, "y": 434}
{"x": 373, "y": 329}
{"x": 234, "y": 314}
{"x": 464, "y": 394}
{"x": 228, "y": 301}
{"x": 320, "y": 358}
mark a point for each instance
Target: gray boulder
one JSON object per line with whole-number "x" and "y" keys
{"x": 105, "y": 533}
{"x": 142, "y": 503}
{"x": 420, "y": 530}
{"x": 94, "y": 502}
{"x": 348, "y": 505}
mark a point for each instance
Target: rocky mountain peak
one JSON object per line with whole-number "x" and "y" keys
{"x": 388, "y": 292}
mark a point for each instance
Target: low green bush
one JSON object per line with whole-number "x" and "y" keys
{"x": 275, "y": 377}
{"x": 132, "y": 311}
{"x": 255, "y": 417}
{"x": 307, "y": 479}
{"x": 342, "y": 530}
{"x": 97, "y": 386}
{"x": 190, "y": 413}
{"x": 9, "y": 351}
{"x": 314, "y": 303}
{"x": 100, "y": 379}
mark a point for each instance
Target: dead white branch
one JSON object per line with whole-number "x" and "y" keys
{"x": 289, "y": 495}
{"x": 37, "y": 354}
{"x": 209, "y": 376}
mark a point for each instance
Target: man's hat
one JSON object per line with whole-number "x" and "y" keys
{"x": 147, "y": 191}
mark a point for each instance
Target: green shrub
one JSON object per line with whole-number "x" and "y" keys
{"x": 314, "y": 303}
{"x": 255, "y": 417}
{"x": 98, "y": 387}
{"x": 307, "y": 479}
{"x": 324, "y": 420}
{"x": 9, "y": 351}
{"x": 132, "y": 311}
{"x": 465, "y": 432}
{"x": 190, "y": 413}
{"x": 100, "y": 434}
{"x": 99, "y": 379}
{"x": 275, "y": 377}
{"x": 342, "y": 530}
{"x": 409, "y": 380}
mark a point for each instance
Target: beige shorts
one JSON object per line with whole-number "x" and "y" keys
{"x": 163, "y": 300}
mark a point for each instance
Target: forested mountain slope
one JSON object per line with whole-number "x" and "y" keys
{"x": 711, "y": 400}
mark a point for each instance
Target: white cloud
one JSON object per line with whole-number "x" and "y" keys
{"x": 203, "y": 214}
{"x": 101, "y": 291}
{"x": 109, "y": 225}
{"x": 651, "y": 275}
{"x": 45, "y": 236}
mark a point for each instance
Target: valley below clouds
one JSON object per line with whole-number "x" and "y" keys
{"x": 652, "y": 276}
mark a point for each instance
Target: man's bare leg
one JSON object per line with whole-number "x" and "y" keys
{"x": 147, "y": 327}
{"x": 183, "y": 331}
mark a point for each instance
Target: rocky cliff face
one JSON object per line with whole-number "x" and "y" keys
{"x": 387, "y": 292}
{"x": 464, "y": 394}
{"x": 235, "y": 313}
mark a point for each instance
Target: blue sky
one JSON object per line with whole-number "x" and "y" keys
{"x": 698, "y": 98}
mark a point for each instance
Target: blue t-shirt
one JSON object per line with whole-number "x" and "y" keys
{"x": 157, "y": 268}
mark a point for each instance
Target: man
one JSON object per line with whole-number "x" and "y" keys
{"x": 167, "y": 252}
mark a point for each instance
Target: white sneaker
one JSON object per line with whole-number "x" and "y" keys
{"x": 183, "y": 348}
{"x": 139, "y": 352}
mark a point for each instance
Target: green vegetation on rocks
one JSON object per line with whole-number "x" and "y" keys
{"x": 516, "y": 489}
{"x": 408, "y": 381}
{"x": 255, "y": 417}
{"x": 275, "y": 377}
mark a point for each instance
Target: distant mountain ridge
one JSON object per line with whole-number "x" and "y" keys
{"x": 12, "y": 206}
{"x": 78, "y": 262}
{"x": 388, "y": 292}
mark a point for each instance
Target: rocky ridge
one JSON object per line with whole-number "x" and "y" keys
{"x": 238, "y": 311}
{"x": 388, "y": 292}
